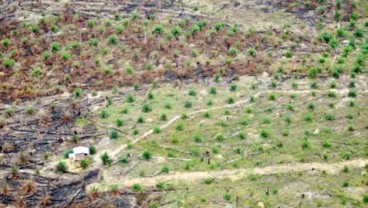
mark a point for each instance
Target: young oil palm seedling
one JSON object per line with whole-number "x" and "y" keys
{"x": 8, "y": 63}
{"x": 9, "y": 112}
{"x": 61, "y": 167}
{"x": 105, "y": 158}
{"x": 113, "y": 40}
{"x": 114, "y": 134}
{"x": 30, "y": 110}
{"x": 78, "y": 92}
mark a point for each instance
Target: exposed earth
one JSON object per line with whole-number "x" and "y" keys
{"x": 184, "y": 103}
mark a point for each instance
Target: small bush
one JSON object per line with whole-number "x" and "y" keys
{"x": 78, "y": 92}
{"x": 264, "y": 133}
{"x": 242, "y": 135}
{"x": 329, "y": 117}
{"x": 326, "y": 144}
{"x": 104, "y": 114}
{"x": 165, "y": 169}
{"x": 157, "y": 130}
{"x": 158, "y": 29}
{"x": 119, "y": 122}
{"x": 233, "y": 87}
{"x": 352, "y": 93}
{"x": 188, "y": 104}
{"x": 55, "y": 47}
{"x": 137, "y": 187}
{"x": 233, "y": 52}
{"x": 146, "y": 108}
{"x": 105, "y": 158}
{"x": 197, "y": 138}
{"x": 61, "y": 167}
{"x": 251, "y": 52}
{"x": 147, "y": 155}
{"x": 306, "y": 144}
{"x": 163, "y": 117}
{"x": 84, "y": 164}
{"x": 227, "y": 196}
{"x": 8, "y": 63}
{"x": 230, "y": 100}
{"x": 220, "y": 137}
{"x": 289, "y": 54}
{"x": 114, "y": 134}
{"x": 365, "y": 198}
{"x": 192, "y": 92}
{"x": 308, "y": 117}
{"x": 213, "y": 90}
{"x": 359, "y": 33}
{"x": 272, "y": 96}
{"x": 92, "y": 149}
{"x": 346, "y": 155}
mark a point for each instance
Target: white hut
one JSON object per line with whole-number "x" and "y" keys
{"x": 79, "y": 153}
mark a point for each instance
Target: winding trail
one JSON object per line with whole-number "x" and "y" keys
{"x": 115, "y": 154}
{"x": 236, "y": 174}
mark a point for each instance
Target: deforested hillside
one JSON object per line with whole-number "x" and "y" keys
{"x": 183, "y": 103}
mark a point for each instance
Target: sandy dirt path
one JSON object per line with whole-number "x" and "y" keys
{"x": 236, "y": 174}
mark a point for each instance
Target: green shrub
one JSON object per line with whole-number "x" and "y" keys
{"x": 197, "y": 138}
{"x": 179, "y": 127}
{"x": 146, "y": 108}
{"x": 105, "y": 158}
{"x": 359, "y": 33}
{"x": 176, "y": 31}
{"x": 92, "y": 149}
{"x": 288, "y": 54}
{"x": 306, "y": 144}
{"x": 213, "y": 90}
{"x": 119, "y": 122}
{"x": 114, "y": 134}
{"x": 129, "y": 70}
{"x": 8, "y": 63}
{"x": 242, "y": 135}
{"x": 61, "y": 167}
{"x": 84, "y": 164}
{"x": 251, "y": 52}
{"x": 227, "y": 196}
{"x": 346, "y": 155}
{"x": 365, "y": 198}
{"x": 352, "y": 93}
{"x": 157, "y": 130}
{"x": 104, "y": 114}
{"x": 220, "y": 137}
{"x": 326, "y": 144}
{"x": 78, "y": 92}
{"x": 158, "y": 29}
{"x": 93, "y": 42}
{"x": 6, "y": 42}
{"x": 147, "y": 155}
{"x": 192, "y": 92}
{"x": 326, "y": 37}
{"x": 188, "y": 104}
{"x": 90, "y": 23}
{"x": 308, "y": 117}
{"x": 233, "y": 52}
{"x": 55, "y": 47}
{"x": 230, "y": 100}
{"x": 65, "y": 55}
{"x": 163, "y": 117}
{"x": 264, "y": 133}
{"x": 272, "y": 96}
{"x": 137, "y": 187}
{"x": 165, "y": 169}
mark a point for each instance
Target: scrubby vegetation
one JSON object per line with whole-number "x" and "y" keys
{"x": 178, "y": 106}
